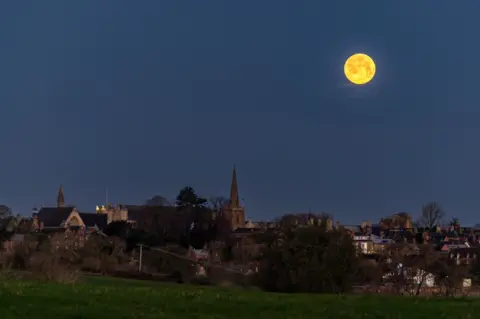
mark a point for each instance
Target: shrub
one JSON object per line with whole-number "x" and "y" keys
{"x": 51, "y": 267}
{"x": 91, "y": 264}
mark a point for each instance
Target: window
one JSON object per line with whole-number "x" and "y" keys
{"x": 74, "y": 222}
{"x": 364, "y": 247}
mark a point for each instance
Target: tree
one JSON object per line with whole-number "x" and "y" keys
{"x": 216, "y": 203}
{"x": 188, "y": 198}
{"x": 424, "y": 267}
{"x": 307, "y": 259}
{"x": 398, "y": 267}
{"x": 9, "y": 226}
{"x": 158, "y": 200}
{"x": 200, "y": 217}
{"x": 432, "y": 214}
{"x": 454, "y": 222}
{"x": 220, "y": 223}
{"x": 5, "y": 211}
{"x": 450, "y": 273}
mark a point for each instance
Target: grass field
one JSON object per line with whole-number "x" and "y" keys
{"x": 118, "y": 298}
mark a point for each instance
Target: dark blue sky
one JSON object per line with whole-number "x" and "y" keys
{"x": 144, "y": 97}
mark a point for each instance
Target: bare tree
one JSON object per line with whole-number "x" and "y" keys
{"x": 432, "y": 214}
{"x": 454, "y": 222}
{"x": 450, "y": 273}
{"x": 395, "y": 267}
{"x": 216, "y": 203}
{"x": 424, "y": 265}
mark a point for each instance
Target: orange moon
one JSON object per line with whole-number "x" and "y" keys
{"x": 359, "y": 69}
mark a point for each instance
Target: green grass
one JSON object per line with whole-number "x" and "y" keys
{"x": 118, "y": 298}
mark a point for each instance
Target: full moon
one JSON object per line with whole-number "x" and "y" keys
{"x": 359, "y": 69}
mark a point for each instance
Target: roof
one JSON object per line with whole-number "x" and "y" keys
{"x": 353, "y": 228}
{"x": 139, "y": 213}
{"x": 53, "y": 216}
{"x": 465, "y": 251}
{"x": 93, "y": 219}
{"x": 168, "y": 219}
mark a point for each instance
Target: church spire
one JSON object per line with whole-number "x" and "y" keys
{"x": 234, "y": 199}
{"x": 60, "y": 197}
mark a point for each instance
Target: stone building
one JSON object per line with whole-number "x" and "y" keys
{"x": 114, "y": 213}
{"x": 66, "y": 218}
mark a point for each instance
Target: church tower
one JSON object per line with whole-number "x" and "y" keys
{"x": 60, "y": 197}
{"x": 234, "y": 211}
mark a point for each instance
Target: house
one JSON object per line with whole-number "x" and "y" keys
{"x": 464, "y": 255}
{"x": 447, "y": 246}
{"x": 66, "y": 226}
{"x": 66, "y": 218}
{"x": 371, "y": 244}
{"x": 52, "y": 219}
{"x": 62, "y": 216}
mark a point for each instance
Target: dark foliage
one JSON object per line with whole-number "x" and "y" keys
{"x": 120, "y": 229}
{"x": 5, "y": 211}
{"x": 308, "y": 259}
{"x": 158, "y": 200}
{"x": 187, "y": 197}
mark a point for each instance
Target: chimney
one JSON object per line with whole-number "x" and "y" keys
{"x": 408, "y": 222}
{"x": 369, "y": 227}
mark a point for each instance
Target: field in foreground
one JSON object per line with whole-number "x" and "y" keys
{"x": 118, "y": 298}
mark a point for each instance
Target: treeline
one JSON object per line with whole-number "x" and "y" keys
{"x": 301, "y": 254}
{"x": 315, "y": 259}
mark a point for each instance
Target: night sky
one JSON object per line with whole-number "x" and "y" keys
{"x": 145, "y": 97}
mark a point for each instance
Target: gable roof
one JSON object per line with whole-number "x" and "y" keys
{"x": 53, "y": 216}
{"x": 93, "y": 219}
